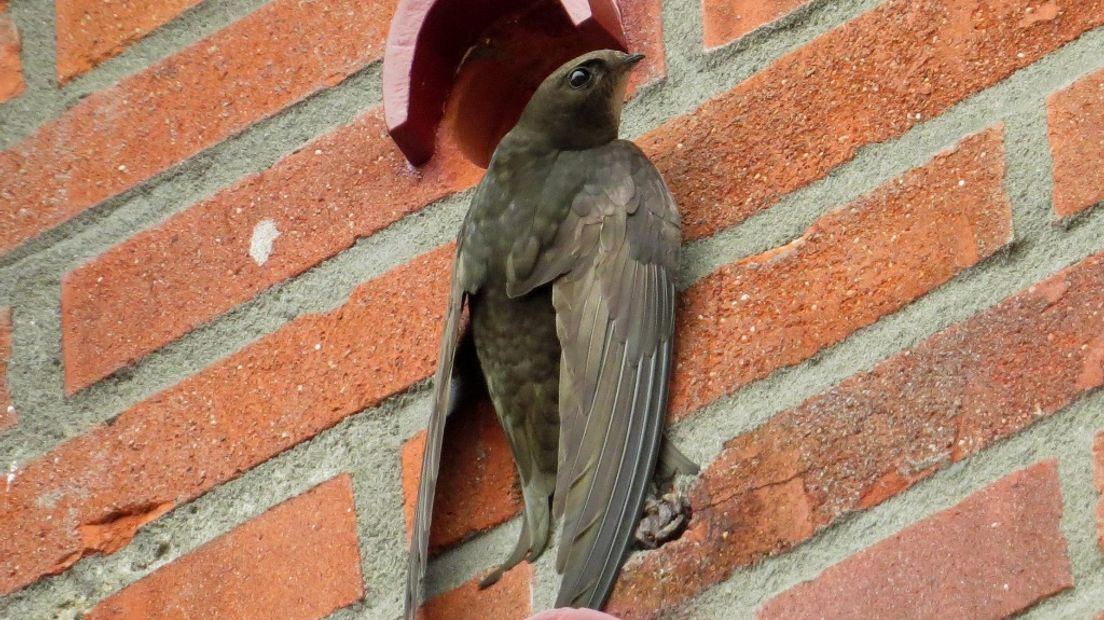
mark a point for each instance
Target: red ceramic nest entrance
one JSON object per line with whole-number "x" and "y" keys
{"x": 475, "y": 63}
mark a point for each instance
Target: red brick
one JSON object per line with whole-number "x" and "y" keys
{"x": 114, "y": 307}
{"x": 997, "y": 552}
{"x": 643, "y": 23}
{"x": 125, "y": 134}
{"x": 11, "y": 67}
{"x": 508, "y": 599}
{"x": 865, "y": 82}
{"x": 1098, "y": 479}
{"x": 162, "y": 283}
{"x": 91, "y": 31}
{"x": 877, "y": 432}
{"x": 727, "y": 20}
{"x": 1076, "y": 119}
{"x": 7, "y": 407}
{"x": 853, "y": 266}
{"x": 298, "y": 560}
{"x": 477, "y": 483}
{"x": 237, "y": 413}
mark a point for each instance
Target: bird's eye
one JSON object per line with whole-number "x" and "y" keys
{"x": 579, "y": 77}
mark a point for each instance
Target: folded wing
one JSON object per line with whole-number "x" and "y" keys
{"x": 612, "y": 265}
{"x": 467, "y": 277}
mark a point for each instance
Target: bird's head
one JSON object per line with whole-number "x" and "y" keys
{"x": 578, "y": 106}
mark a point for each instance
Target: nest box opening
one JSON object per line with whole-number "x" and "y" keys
{"x": 476, "y": 63}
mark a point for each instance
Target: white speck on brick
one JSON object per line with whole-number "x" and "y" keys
{"x": 264, "y": 236}
{"x": 11, "y": 476}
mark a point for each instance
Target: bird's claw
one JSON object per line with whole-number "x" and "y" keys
{"x": 664, "y": 520}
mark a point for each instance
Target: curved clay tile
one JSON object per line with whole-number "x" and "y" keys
{"x": 502, "y": 45}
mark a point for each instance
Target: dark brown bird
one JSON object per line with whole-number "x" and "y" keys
{"x": 566, "y": 260}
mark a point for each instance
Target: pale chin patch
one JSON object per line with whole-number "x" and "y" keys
{"x": 619, "y": 90}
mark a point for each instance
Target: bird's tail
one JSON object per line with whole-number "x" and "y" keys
{"x": 535, "y": 530}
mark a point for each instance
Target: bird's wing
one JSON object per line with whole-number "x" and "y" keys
{"x": 612, "y": 264}
{"x": 467, "y": 276}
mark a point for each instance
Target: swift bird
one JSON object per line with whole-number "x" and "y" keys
{"x": 566, "y": 260}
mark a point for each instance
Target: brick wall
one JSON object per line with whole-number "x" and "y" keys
{"x": 221, "y": 290}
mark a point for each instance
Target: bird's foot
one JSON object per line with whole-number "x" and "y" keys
{"x": 665, "y": 518}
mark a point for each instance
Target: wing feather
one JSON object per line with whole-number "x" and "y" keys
{"x": 611, "y": 265}
{"x": 467, "y": 277}
{"x": 431, "y": 458}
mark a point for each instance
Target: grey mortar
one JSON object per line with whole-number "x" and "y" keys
{"x": 39, "y": 266}
{"x": 35, "y": 369}
{"x": 1041, "y": 247}
{"x": 749, "y": 587}
{"x": 153, "y": 201}
{"x": 43, "y": 100}
{"x": 375, "y": 466}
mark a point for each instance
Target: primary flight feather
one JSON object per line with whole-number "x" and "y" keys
{"x": 566, "y": 261}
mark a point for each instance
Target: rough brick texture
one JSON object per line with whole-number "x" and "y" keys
{"x": 644, "y": 31}
{"x": 347, "y": 184}
{"x": 509, "y": 599}
{"x": 119, "y": 426}
{"x": 7, "y": 407}
{"x": 877, "y": 433}
{"x": 298, "y": 560}
{"x": 125, "y": 134}
{"x": 90, "y": 494}
{"x": 11, "y": 66}
{"x": 90, "y": 31}
{"x": 726, "y": 20}
{"x": 812, "y": 110}
{"x": 161, "y": 284}
{"x": 997, "y": 552}
{"x": 1076, "y": 117}
{"x": 476, "y": 487}
{"x": 853, "y": 266}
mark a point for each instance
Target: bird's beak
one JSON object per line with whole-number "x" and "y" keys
{"x": 631, "y": 61}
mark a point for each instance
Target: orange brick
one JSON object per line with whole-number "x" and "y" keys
{"x": 348, "y": 184}
{"x": 1076, "y": 119}
{"x": 853, "y": 266}
{"x": 11, "y": 66}
{"x": 121, "y": 136}
{"x": 727, "y": 20}
{"x": 509, "y": 599}
{"x": 162, "y": 283}
{"x": 996, "y": 553}
{"x": 477, "y": 483}
{"x": 878, "y": 432}
{"x": 298, "y": 560}
{"x": 90, "y": 494}
{"x": 643, "y": 23}
{"x": 867, "y": 81}
{"x": 7, "y": 407}
{"x": 91, "y": 31}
